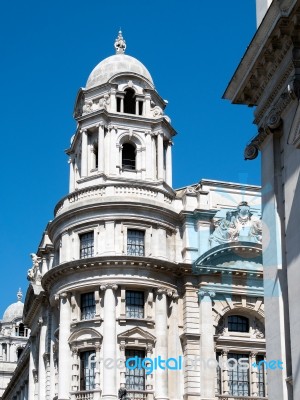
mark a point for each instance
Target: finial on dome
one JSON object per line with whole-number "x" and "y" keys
{"x": 120, "y": 44}
{"x": 19, "y": 295}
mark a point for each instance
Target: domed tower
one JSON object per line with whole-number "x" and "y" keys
{"x": 123, "y": 135}
{"x": 114, "y": 235}
{"x": 13, "y": 338}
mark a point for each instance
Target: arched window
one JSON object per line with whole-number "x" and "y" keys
{"x": 129, "y": 101}
{"x": 128, "y": 156}
{"x": 237, "y": 323}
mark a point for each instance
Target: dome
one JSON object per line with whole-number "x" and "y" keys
{"x": 15, "y": 310}
{"x": 117, "y": 64}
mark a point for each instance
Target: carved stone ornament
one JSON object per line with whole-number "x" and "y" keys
{"x": 238, "y": 225}
{"x": 273, "y": 120}
{"x": 112, "y": 286}
{"x": 220, "y": 328}
{"x": 259, "y": 330}
{"x": 251, "y": 152}
{"x": 34, "y": 275}
{"x": 120, "y": 44}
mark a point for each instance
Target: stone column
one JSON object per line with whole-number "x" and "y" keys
{"x": 174, "y": 349}
{"x": 109, "y": 342}
{"x": 42, "y": 370}
{"x": 208, "y": 357}
{"x": 53, "y": 348}
{"x": 75, "y": 369}
{"x": 161, "y": 329}
{"x": 72, "y": 175}
{"x": 44, "y": 265}
{"x": 51, "y": 258}
{"x": 84, "y": 153}
{"x": 160, "y": 156}
{"x": 101, "y": 147}
{"x": 225, "y": 385}
{"x": 253, "y": 375}
{"x": 169, "y": 164}
{"x": 149, "y": 160}
{"x": 97, "y": 366}
{"x": 63, "y": 349}
{"x": 31, "y": 382}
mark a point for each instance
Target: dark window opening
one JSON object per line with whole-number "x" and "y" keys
{"x": 134, "y": 378}
{"x": 134, "y": 304}
{"x": 21, "y": 330}
{"x": 19, "y": 352}
{"x": 238, "y": 375}
{"x": 218, "y": 374}
{"x": 95, "y": 151}
{"x": 135, "y": 242}
{"x": 128, "y": 156}
{"x": 87, "y": 370}
{"x": 118, "y": 104}
{"x": 140, "y": 108}
{"x": 129, "y": 101}
{"x": 87, "y": 245}
{"x": 237, "y": 323}
{"x": 88, "y": 308}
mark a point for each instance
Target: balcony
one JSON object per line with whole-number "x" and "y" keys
{"x": 140, "y": 395}
{"x": 86, "y": 395}
{"x": 231, "y": 397}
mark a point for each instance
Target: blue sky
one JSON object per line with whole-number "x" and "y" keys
{"x": 48, "y": 49}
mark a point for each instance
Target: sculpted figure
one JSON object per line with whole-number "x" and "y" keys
{"x": 87, "y": 107}
{"x": 239, "y": 225}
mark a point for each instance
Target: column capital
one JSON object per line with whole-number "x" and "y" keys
{"x": 63, "y": 295}
{"x": 112, "y": 286}
{"x": 83, "y": 130}
{"x": 202, "y": 293}
{"x": 101, "y": 124}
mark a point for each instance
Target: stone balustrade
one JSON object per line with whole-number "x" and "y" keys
{"x": 86, "y": 395}
{"x": 97, "y": 192}
{"x": 139, "y": 395}
{"x": 230, "y": 397}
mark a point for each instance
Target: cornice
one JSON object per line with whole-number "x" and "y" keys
{"x": 61, "y": 271}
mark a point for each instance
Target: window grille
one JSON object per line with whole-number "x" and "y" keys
{"x": 238, "y": 378}
{"x": 237, "y": 323}
{"x": 87, "y": 245}
{"x": 261, "y": 375}
{"x": 135, "y": 242}
{"x": 135, "y": 378}
{"x": 87, "y": 370}
{"x": 134, "y": 304}
{"x": 88, "y": 308}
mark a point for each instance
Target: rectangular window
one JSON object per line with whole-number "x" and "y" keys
{"x": 88, "y": 307}
{"x": 261, "y": 375}
{"x": 135, "y": 242}
{"x": 87, "y": 245}
{"x": 134, "y": 304}
{"x": 87, "y": 370}
{"x": 238, "y": 378}
{"x": 237, "y": 323}
{"x": 135, "y": 378}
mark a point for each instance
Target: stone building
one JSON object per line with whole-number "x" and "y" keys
{"x": 130, "y": 268}
{"x": 13, "y": 338}
{"x": 268, "y": 78}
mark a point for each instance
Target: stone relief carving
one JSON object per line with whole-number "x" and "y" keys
{"x": 220, "y": 328}
{"x": 238, "y": 225}
{"x": 259, "y": 329}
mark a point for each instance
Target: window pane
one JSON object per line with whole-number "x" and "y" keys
{"x": 261, "y": 375}
{"x": 87, "y": 370}
{"x": 135, "y": 242}
{"x": 135, "y": 378}
{"x": 134, "y": 304}
{"x": 88, "y": 308}
{"x": 237, "y": 323}
{"x": 238, "y": 378}
{"x": 87, "y": 245}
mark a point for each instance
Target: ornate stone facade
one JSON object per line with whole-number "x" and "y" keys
{"x": 268, "y": 78}
{"x": 130, "y": 268}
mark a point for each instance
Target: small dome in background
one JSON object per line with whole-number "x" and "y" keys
{"x": 117, "y": 64}
{"x": 15, "y": 310}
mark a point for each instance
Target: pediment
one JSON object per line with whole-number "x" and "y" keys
{"x": 85, "y": 335}
{"x": 136, "y": 334}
